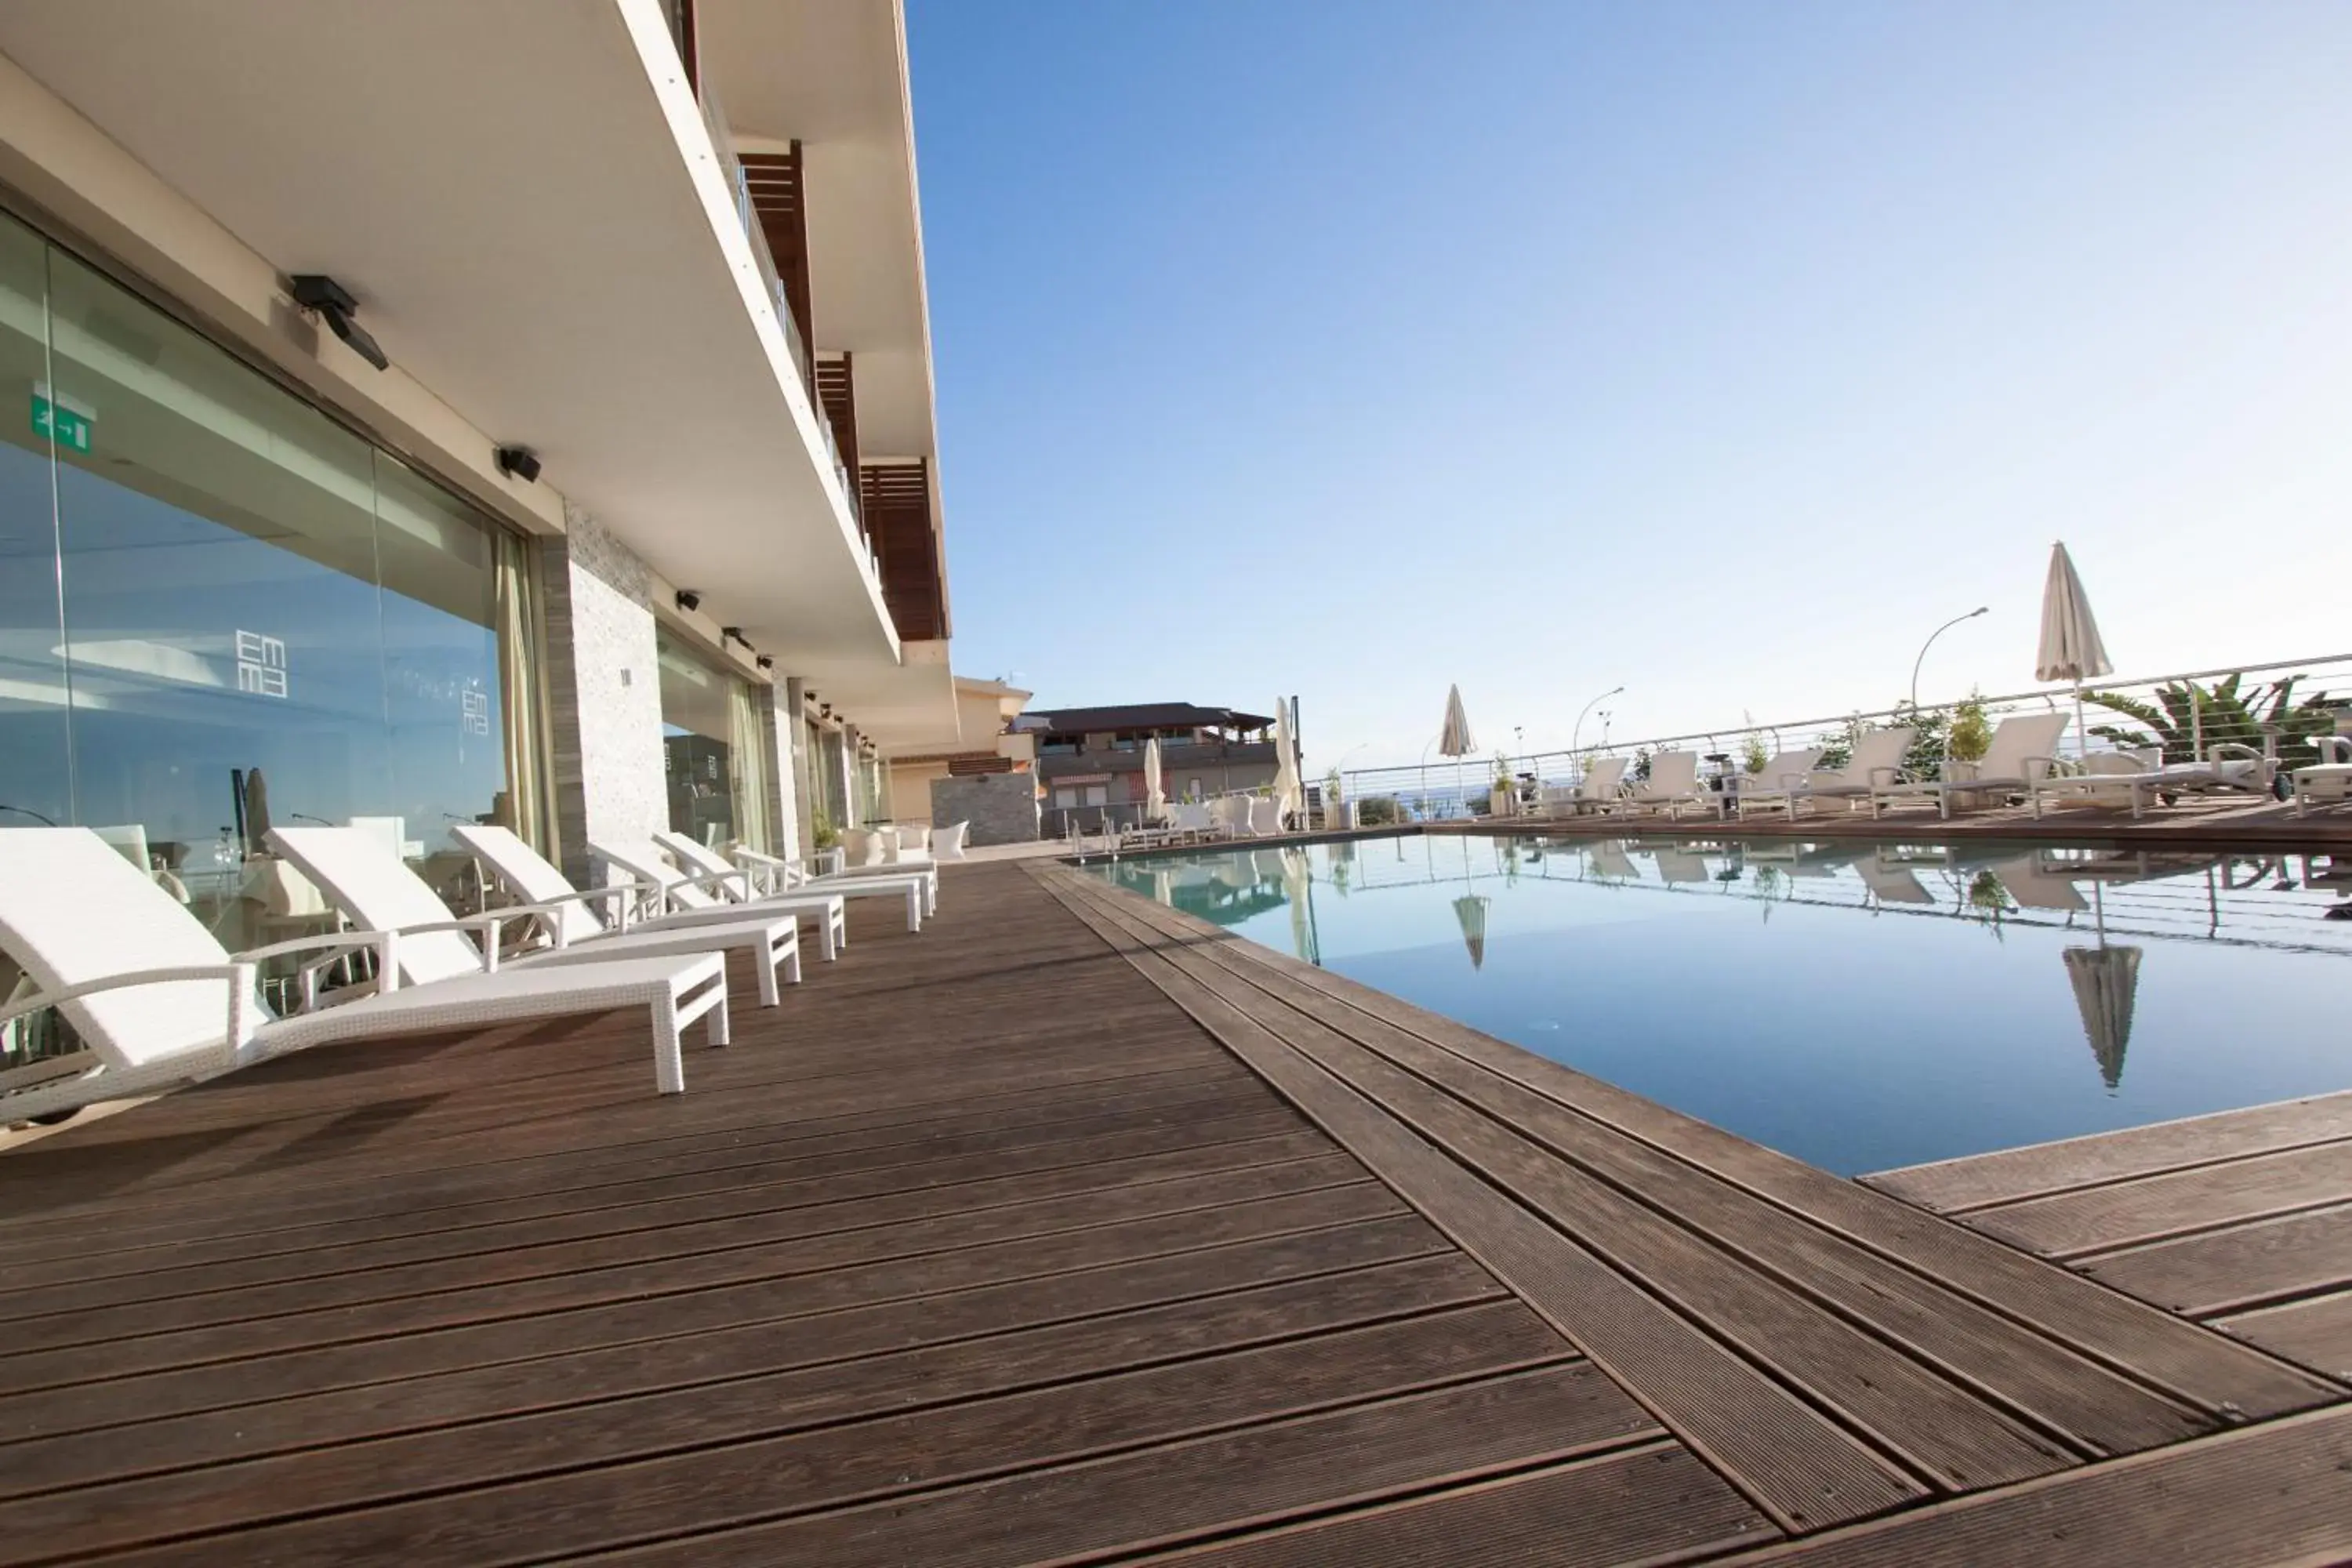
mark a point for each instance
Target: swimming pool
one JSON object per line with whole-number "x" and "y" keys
{"x": 1860, "y": 1005}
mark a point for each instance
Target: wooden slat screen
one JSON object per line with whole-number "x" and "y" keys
{"x": 896, "y": 501}
{"x": 836, "y": 393}
{"x": 780, "y": 199}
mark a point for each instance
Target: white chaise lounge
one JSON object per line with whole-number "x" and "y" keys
{"x": 2023, "y": 752}
{"x": 531, "y": 878}
{"x": 751, "y": 877}
{"x": 1876, "y": 758}
{"x": 157, "y": 1002}
{"x": 716, "y": 898}
{"x": 376, "y": 891}
{"x": 1673, "y": 784}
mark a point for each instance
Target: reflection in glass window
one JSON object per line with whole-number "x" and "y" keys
{"x": 220, "y": 609}
{"x": 35, "y": 768}
{"x": 713, "y": 749}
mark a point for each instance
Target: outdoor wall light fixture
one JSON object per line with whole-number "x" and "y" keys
{"x": 735, "y": 633}
{"x": 765, "y": 661}
{"x": 689, "y": 599}
{"x": 323, "y": 296}
{"x": 519, "y": 461}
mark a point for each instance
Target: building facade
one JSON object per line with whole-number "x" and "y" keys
{"x": 441, "y": 412}
{"x": 988, "y": 743}
{"x": 1090, "y": 759}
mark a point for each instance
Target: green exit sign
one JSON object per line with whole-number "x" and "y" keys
{"x": 67, "y": 428}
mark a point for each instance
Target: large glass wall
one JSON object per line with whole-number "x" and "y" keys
{"x": 715, "y": 749}
{"x": 220, "y": 609}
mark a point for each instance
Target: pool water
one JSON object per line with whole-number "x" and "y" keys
{"x": 1860, "y": 1005}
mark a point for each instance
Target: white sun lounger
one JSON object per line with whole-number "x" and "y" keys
{"x": 1781, "y": 772}
{"x": 530, "y": 877}
{"x": 1596, "y": 791}
{"x": 158, "y": 1002}
{"x": 756, "y": 877}
{"x": 2328, "y": 781}
{"x": 2023, "y": 752}
{"x": 1876, "y": 758}
{"x": 376, "y": 891}
{"x": 718, "y": 898}
{"x": 1673, "y": 784}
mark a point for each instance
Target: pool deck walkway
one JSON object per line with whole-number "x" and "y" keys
{"x": 1075, "y": 1230}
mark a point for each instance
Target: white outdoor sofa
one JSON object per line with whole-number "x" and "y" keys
{"x": 157, "y": 1001}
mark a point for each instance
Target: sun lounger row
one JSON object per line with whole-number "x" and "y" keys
{"x": 156, "y": 1001}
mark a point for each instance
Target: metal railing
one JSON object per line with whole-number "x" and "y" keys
{"x": 2182, "y": 715}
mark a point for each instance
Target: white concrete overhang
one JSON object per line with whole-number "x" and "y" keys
{"x": 832, "y": 75}
{"x": 904, "y": 707}
{"x": 525, "y": 199}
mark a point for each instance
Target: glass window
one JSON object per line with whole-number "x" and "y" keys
{"x": 36, "y": 765}
{"x": 714, "y": 750}
{"x": 220, "y": 609}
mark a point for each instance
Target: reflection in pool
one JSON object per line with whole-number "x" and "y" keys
{"x": 1858, "y": 1004}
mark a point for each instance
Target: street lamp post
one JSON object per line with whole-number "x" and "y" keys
{"x": 1924, "y": 647}
{"x": 1577, "y": 733}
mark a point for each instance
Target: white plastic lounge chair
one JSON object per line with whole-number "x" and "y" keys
{"x": 1877, "y": 758}
{"x": 752, "y": 877}
{"x": 2023, "y": 750}
{"x": 376, "y": 892}
{"x": 689, "y": 897}
{"x": 1781, "y": 772}
{"x": 1594, "y": 791}
{"x": 2328, "y": 781}
{"x": 158, "y": 1002}
{"x": 1673, "y": 784}
{"x": 531, "y": 878}
{"x": 1890, "y": 882}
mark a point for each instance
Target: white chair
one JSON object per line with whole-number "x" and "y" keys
{"x": 2023, "y": 752}
{"x": 2328, "y": 781}
{"x": 1876, "y": 758}
{"x": 158, "y": 1002}
{"x": 860, "y": 846}
{"x": 1229, "y": 815}
{"x": 689, "y": 897}
{"x": 1673, "y": 784}
{"x": 1265, "y": 816}
{"x": 751, "y": 877}
{"x": 947, "y": 843}
{"x": 531, "y": 878}
{"x": 377, "y": 893}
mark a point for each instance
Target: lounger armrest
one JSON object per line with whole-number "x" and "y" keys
{"x": 2051, "y": 767}
{"x": 769, "y": 873}
{"x": 239, "y": 975}
{"x": 489, "y": 922}
{"x": 616, "y": 891}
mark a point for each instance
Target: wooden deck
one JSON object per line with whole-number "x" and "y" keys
{"x": 2241, "y": 1220}
{"x": 1073, "y": 1231}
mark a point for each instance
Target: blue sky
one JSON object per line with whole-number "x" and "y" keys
{"x": 1721, "y": 351}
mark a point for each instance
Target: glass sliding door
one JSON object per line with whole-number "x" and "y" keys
{"x": 222, "y": 609}
{"x": 713, "y": 747}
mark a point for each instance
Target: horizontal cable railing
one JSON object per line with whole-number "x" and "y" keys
{"x": 2276, "y": 709}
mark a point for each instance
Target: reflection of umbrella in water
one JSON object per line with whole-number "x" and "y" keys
{"x": 2105, "y": 981}
{"x": 1470, "y": 912}
{"x": 256, "y": 809}
{"x": 1298, "y": 892}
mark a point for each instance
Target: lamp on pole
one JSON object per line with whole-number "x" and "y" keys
{"x": 1577, "y": 733}
{"x": 1924, "y": 647}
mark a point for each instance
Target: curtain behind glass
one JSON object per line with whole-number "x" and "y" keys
{"x": 750, "y": 751}
{"x": 526, "y": 807}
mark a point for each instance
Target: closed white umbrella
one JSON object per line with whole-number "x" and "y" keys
{"x": 1155, "y": 805}
{"x": 2071, "y": 649}
{"x": 1286, "y": 793}
{"x": 1454, "y": 739}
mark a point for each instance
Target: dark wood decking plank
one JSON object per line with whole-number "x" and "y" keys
{"x": 1162, "y": 1496}
{"x": 1802, "y": 1468}
{"x": 641, "y": 1339}
{"x": 990, "y": 1405}
{"x": 2092, "y": 1218}
{"x": 1951, "y": 1436}
{"x": 1653, "y": 1505}
{"x": 752, "y": 1254}
{"x": 2316, "y": 1332}
{"x": 373, "y": 1268}
{"x": 2199, "y": 1367}
{"x": 1949, "y": 1186}
{"x": 2266, "y": 1497}
{"x": 2066, "y": 1393}
{"x": 623, "y": 1174}
{"x": 2238, "y": 1269}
